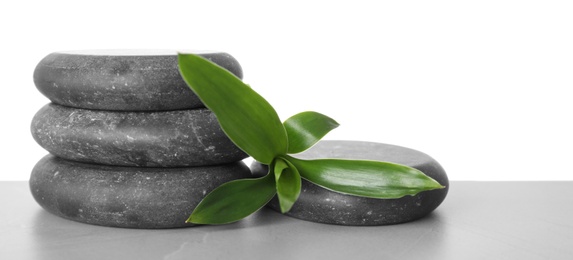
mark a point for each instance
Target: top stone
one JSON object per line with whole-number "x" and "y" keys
{"x": 123, "y": 80}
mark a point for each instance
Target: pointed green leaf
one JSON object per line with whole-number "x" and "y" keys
{"x": 288, "y": 183}
{"x": 278, "y": 166}
{"x": 246, "y": 117}
{"x": 234, "y": 201}
{"x": 306, "y": 128}
{"x": 363, "y": 178}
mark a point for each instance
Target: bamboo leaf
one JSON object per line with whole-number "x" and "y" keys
{"x": 288, "y": 183}
{"x": 373, "y": 179}
{"x": 246, "y": 117}
{"x": 306, "y": 128}
{"x": 234, "y": 201}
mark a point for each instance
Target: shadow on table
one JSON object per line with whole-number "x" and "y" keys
{"x": 266, "y": 233}
{"x": 58, "y": 238}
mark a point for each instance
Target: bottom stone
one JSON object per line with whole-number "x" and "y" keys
{"x": 130, "y": 197}
{"x": 321, "y": 205}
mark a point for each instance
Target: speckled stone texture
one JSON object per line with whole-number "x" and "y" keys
{"x": 151, "y": 139}
{"x": 320, "y": 205}
{"x": 121, "y": 80}
{"x": 129, "y": 197}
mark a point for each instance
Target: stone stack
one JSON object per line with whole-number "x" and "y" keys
{"x": 130, "y": 144}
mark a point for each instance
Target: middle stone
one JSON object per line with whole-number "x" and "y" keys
{"x": 149, "y": 139}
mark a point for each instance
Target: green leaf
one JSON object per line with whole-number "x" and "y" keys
{"x": 306, "y": 128}
{"x": 246, "y": 117}
{"x": 363, "y": 178}
{"x": 234, "y": 201}
{"x": 288, "y": 183}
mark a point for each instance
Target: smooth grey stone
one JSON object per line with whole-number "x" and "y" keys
{"x": 321, "y": 205}
{"x": 121, "y": 80}
{"x": 130, "y": 197}
{"x": 151, "y": 139}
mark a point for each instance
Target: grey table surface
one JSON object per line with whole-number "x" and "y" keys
{"x": 478, "y": 220}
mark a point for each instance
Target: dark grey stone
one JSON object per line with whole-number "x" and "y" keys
{"x": 130, "y": 197}
{"x": 121, "y": 80}
{"x": 320, "y": 205}
{"x": 152, "y": 139}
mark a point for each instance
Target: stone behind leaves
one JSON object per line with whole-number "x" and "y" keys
{"x": 150, "y": 139}
{"x": 130, "y": 197}
{"x": 321, "y": 205}
{"x": 123, "y": 80}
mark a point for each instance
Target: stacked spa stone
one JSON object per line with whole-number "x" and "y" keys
{"x": 130, "y": 144}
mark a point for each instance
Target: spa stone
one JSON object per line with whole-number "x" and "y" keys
{"x": 324, "y": 206}
{"x": 129, "y": 197}
{"x": 148, "y": 139}
{"x": 125, "y": 80}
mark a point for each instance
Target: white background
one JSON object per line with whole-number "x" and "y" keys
{"x": 481, "y": 86}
